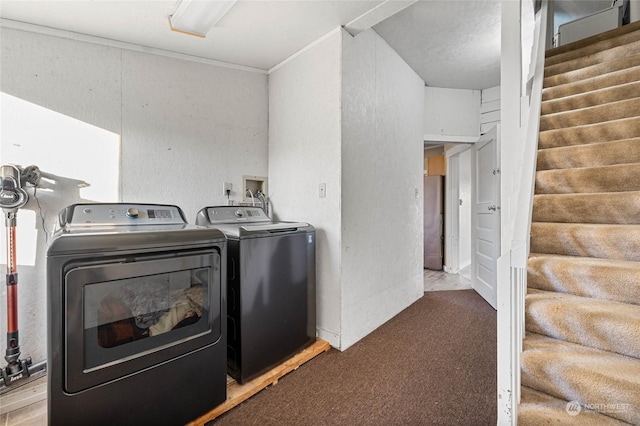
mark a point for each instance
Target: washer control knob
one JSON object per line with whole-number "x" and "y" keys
{"x": 239, "y": 213}
{"x": 133, "y": 212}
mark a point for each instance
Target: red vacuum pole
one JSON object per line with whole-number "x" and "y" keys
{"x": 12, "y": 198}
{"x": 13, "y": 347}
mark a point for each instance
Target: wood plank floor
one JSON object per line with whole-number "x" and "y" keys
{"x": 36, "y": 414}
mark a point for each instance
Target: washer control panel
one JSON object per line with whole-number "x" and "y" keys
{"x": 121, "y": 214}
{"x": 234, "y": 214}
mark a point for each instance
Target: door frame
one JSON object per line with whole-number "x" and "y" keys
{"x": 451, "y": 197}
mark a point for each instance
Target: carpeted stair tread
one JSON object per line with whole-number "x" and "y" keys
{"x": 591, "y": 99}
{"x": 628, "y": 49}
{"x": 595, "y": 114}
{"x": 579, "y": 373}
{"x": 611, "y": 79}
{"x": 592, "y": 155}
{"x": 595, "y": 43}
{"x": 625, "y": 128}
{"x": 615, "y": 178}
{"x": 537, "y": 408}
{"x": 603, "y": 207}
{"x": 621, "y": 242}
{"x": 591, "y": 71}
{"x": 601, "y": 324}
{"x": 604, "y": 279}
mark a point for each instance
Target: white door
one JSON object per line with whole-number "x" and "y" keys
{"x": 486, "y": 216}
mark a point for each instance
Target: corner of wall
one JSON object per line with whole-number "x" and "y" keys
{"x": 382, "y": 103}
{"x": 304, "y": 153}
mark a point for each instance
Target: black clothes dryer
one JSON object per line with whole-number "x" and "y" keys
{"x": 137, "y": 316}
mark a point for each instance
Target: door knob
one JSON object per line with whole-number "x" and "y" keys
{"x": 492, "y": 207}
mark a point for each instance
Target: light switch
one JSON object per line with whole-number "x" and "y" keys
{"x": 323, "y": 190}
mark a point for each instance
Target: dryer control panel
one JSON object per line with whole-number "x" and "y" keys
{"x": 92, "y": 215}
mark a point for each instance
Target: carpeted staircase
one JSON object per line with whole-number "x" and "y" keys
{"x": 582, "y": 316}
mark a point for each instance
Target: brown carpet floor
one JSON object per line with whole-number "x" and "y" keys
{"x": 432, "y": 364}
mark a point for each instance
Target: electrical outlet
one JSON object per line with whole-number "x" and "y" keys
{"x": 226, "y": 186}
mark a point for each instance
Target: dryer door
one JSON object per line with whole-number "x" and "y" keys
{"x": 125, "y": 315}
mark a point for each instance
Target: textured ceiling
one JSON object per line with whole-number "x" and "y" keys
{"x": 453, "y": 44}
{"x": 449, "y": 43}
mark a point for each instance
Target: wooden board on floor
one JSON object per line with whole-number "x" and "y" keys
{"x": 237, "y": 393}
{"x": 24, "y": 394}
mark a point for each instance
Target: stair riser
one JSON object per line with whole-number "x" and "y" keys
{"x": 621, "y": 51}
{"x": 617, "y": 178}
{"x": 597, "y": 114}
{"x": 620, "y": 242}
{"x": 617, "y": 78}
{"x": 592, "y": 133}
{"x": 604, "y": 325}
{"x": 617, "y": 208}
{"x": 591, "y": 99}
{"x": 621, "y": 409}
{"x": 586, "y": 277}
{"x": 592, "y": 71}
{"x": 594, "y": 155}
{"x": 578, "y": 375}
{"x": 537, "y": 408}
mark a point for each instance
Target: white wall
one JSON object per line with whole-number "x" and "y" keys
{"x": 382, "y": 196}
{"x": 489, "y": 109}
{"x": 183, "y": 128}
{"x": 451, "y": 112}
{"x": 304, "y": 151}
{"x": 348, "y": 113}
{"x": 189, "y": 127}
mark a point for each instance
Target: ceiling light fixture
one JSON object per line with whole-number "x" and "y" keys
{"x": 197, "y": 17}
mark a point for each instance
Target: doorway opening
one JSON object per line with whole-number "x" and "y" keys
{"x": 447, "y": 208}
{"x": 471, "y": 217}
{"x": 458, "y": 219}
